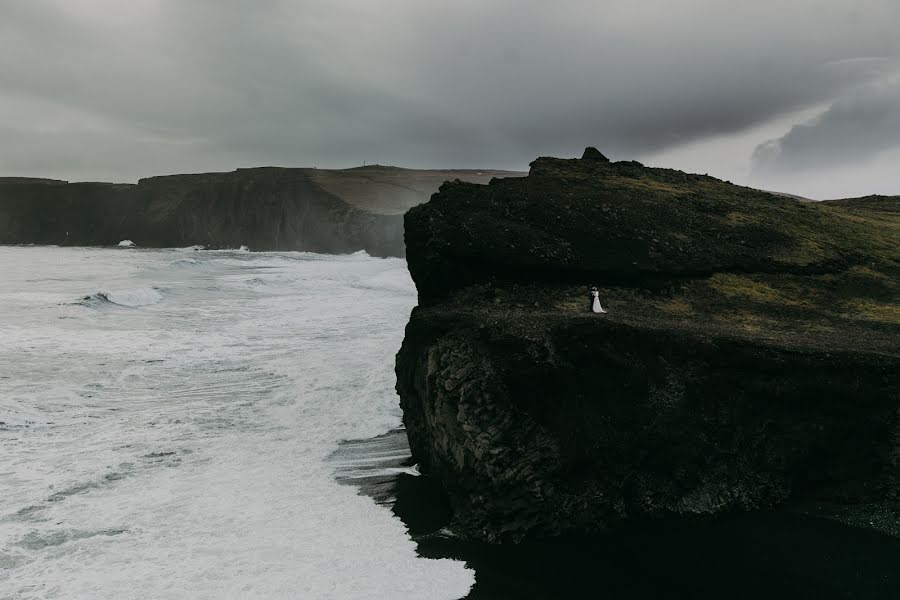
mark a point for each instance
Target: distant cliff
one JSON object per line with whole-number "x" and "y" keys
{"x": 751, "y": 353}
{"x": 332, "y": 211}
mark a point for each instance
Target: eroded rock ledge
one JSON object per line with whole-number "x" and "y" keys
{"x": 751, "y": 354}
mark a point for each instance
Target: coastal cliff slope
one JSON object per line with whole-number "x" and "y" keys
{"x": 750, "y": 355}
{"x": 332, "y": 211}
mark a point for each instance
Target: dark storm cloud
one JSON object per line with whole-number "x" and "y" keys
{"x": 105, "y": 89}
{"x": 854, "y": 130}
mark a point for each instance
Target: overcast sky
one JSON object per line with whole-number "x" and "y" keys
{"x": 798, "y": 95}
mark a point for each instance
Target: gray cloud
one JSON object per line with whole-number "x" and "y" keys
{"x": 100, "y": 89}
{"x": 854, "y": 130}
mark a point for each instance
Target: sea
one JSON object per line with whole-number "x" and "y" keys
{"x": 169, "y": 421}
{"x": 195, "y": 424}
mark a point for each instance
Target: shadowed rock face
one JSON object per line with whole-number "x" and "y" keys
{"x": 265, "y": 209}
{"x": 591, "y": 153}
{"x": 751, "y": 353}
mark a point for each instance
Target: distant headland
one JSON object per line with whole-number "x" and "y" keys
{"x": 267, "y": 208}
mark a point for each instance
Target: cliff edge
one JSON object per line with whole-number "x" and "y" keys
{"x": 750, "y": 355}
{"x": 318, "y": 210}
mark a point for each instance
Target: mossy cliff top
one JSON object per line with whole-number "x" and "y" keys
{"x": 750, "y": 354}
{"x": 668, "y": 249}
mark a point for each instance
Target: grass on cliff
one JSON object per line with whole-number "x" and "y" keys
{"x": 647, "y": 184}
{"x": 698, "y": 216}
{"x": 740, "y": 262}
{"x": 807, "y": 232}
{"x": 747, "y": 288}
{"x": 872, "y": 310}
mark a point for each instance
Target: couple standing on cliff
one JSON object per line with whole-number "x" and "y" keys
{"x": 595, "y": 301}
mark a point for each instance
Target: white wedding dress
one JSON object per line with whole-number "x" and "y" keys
{"x": 596, "y": 305}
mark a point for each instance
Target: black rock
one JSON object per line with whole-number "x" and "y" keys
{"x": 591, "y": 153}
{"x": 751, "y": 353}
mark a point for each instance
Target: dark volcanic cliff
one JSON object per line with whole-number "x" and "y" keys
{"x": 751, "y": 353}
{"x": 266, "y": 209}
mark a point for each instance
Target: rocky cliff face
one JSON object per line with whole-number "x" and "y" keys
{"x": 751, "y": 352}
{"x": 265, "y": 209}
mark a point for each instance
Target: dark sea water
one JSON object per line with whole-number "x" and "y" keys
{"x": 766, "y": 555}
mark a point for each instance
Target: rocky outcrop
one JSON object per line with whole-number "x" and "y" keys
{"x": 751, "y": 353}
{"x": 266, "y": 209}
{"x": 591, "y": 153}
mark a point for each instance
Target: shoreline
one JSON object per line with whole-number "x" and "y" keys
{"x": 789, "y": 553}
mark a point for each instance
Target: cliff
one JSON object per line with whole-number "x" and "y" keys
{"x": 318, "y": 210}
{"x": 750, "y": 355}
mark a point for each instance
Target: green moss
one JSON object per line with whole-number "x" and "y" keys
{"x": 872, "y": 310}
{"x": 748, "y": 288}
{"x": 677, "y": 306}
{"x": 571, "y": 305}
{"x": 648, "y": 185}
{"x": 689, "y": 253}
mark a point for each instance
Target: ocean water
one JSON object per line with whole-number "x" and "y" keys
{"x": 167, "y": 418}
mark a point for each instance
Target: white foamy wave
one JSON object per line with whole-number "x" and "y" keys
{"x": 126, "y": 244}
{"x": 16, "y": 414}
{"x": 195, "y": 247}
{"x": 184, "y": 262}
{"x": 182, "y": 450}
{"x": 392, "y": 280}
{"x": 132, "y": 298}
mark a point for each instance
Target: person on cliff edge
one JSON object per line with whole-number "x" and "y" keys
{"x": 595, "y": 301}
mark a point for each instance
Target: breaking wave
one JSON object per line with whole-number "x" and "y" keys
{"x": 131, "y": 298}
{"x": 184, "y": 262}
{"x": 181, "y": 450}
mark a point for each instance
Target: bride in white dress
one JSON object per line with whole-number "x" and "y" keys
{"x": 595, "y": 303}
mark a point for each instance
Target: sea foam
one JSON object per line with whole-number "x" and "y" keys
{"x": 183, "y": 451}
{"x": 131, "y": 298}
